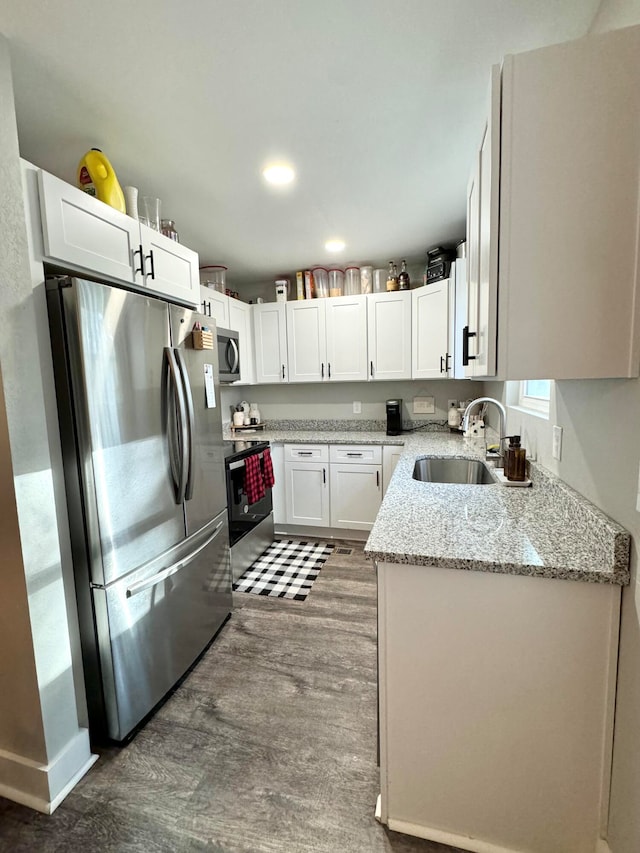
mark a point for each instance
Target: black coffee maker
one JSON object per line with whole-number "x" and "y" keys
{"x": 394, "y": 417}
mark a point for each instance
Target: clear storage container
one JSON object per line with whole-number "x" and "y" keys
{"x": 214, "y": 276}
{"x": 352, "y": 281}
{"x": 366, "y": 279}
{"x": 380, "y": 281}
{"x": 336, "y": 282}
{"x": 321, "y": 279}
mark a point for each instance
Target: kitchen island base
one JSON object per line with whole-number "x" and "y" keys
{"x": 496, "y": 708}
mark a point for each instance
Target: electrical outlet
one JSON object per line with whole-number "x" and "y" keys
{"x": 357, "y": 407}
{"x": 556, "y": 448}
{"x": 424, "y": 405}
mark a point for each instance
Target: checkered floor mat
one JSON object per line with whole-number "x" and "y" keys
{"x": 287, "y": 569}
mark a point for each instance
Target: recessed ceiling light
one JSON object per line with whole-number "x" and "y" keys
{"x": 278, "y": 173}
{"x": 334, "y": 245}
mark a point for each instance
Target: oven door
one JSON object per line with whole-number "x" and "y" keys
{"x": 228, "y": 355}
{"x": 243, "y": 517}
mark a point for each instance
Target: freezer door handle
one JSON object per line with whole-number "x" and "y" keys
{"x": 190, "y": 419}
{"x": 135, "y": 588}
{"x": 179, "y": 459}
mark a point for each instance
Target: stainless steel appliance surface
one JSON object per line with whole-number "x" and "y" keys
{"x": 228, "y": 354}
{"x": 143, "y": 454}
{"x": 250, "y": 525}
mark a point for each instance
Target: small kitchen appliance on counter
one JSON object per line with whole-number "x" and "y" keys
{"x": 394, "y": 417}
{"x": 439, "y": 262}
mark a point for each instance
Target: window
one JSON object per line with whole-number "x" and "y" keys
{"x": 535, "y": 395}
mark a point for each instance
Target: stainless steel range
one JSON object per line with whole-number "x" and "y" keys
{"x": 250, "y": 525}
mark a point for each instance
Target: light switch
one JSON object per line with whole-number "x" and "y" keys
{"x": 556, "y": 448}
{"x": 357, "y": 407}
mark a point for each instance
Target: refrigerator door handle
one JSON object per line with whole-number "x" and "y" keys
{"x": 190, "y": 419}
{"x": 179, "y": 471}
{"x": 135, "y": 588}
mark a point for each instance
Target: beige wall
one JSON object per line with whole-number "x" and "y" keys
{"x": 40, "y": 737}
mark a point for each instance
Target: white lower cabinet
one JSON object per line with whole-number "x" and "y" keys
{"x": 356, "y": 494}
{"x": 279, "y": 490}
{"x": 390, "y": 456}
{"x": 307, "y": 484}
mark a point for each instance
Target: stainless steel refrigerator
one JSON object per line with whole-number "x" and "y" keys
{"x": 141, "y": 434}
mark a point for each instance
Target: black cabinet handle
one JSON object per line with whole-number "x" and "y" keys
{"x": 204, "y": 307}
{"x": 441, "y": 364}
{"x": 140, "y": 270}
{"x": 322, "y": 371}
{"x": 447, "y": 359}
{"x": 329, "y": 369}
{"x": 150, "y": 258}
{"x": 324, "y": 475}
{"x": 371, "y": 363}
{"x": 378, "y": 479}
{"x": 466, "y": 358}
{"x": 283, "y": 371}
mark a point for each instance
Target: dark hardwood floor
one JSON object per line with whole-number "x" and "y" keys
{"x": 268, "y": 745}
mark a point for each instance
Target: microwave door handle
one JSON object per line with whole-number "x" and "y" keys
{"x": 226, "y": 355}
{"x": 236, "y": 355}
{"x": 178, "y": 465}
{"x": 189, "y": 422}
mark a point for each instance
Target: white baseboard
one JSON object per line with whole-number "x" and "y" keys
{"x": 463, "y": 842}
{"x": 44, "y": 786}
{"x": 321, "y": 532}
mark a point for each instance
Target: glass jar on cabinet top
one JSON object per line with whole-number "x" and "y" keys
{"x": 352, "y": 281}
{"x": 336, "y": 282}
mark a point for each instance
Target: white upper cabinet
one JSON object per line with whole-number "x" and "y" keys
{"x": 553, "y": 215}
{"x": 170, "y": 268}
{"x": 480, "y": 331}
{"x": 215, "y": 305}
{"x": 389, "y": 335}
{"x": 240, "y": 322}
{"x": 346, "y": 338}
{"x": 270, "y": 342}
{"x": 80, "y": 231}
{"x": 306, "y": 340}
{"x": 85, "y": 235}
{"x": 431, "y": 356}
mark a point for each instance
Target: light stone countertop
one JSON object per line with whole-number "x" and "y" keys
{"x": 547, "y": 530}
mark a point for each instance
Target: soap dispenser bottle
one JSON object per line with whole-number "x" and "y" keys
{"x": 516, "y": 460}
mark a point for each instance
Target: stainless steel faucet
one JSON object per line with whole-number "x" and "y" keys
{"x": 502, "y": 427}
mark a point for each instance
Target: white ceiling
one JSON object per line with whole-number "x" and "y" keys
{"x": 377, "y": 103}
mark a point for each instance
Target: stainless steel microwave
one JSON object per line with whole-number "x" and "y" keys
{"x": 228, "y": 355}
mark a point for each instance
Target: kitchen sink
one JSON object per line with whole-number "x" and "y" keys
{"x": 447, "y": 470}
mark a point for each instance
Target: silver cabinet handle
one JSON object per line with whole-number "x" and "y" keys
{"x": 135, "y": 588}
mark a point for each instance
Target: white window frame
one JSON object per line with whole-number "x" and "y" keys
{"x": 538, "y": 405}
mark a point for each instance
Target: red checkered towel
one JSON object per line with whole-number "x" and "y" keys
{"x": 267, "y": 469}
{"x": 253, "y": 480}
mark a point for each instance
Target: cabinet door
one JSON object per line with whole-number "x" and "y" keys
{"x": 458, "y": 315}
{"x": 307, "y": 493}
{"x": 270, "y": 342}
{"x": 570, "y": 143}
{"x": 81, "y": 232}
{"x": 390, "y": 456}
{"x": 356, "y": 494}
{"x": 170, "y": 268}
{"x": 431, "y": 358}
{"x": 240, "y": 322}
{"x": 389, "y": 335}
{"x": 346, "y": 338}
{"x": 279, "y": 489}
{"x": 306, "y": 341}
{"x": 468, "y": 333}
{"x": 487, "y": 300}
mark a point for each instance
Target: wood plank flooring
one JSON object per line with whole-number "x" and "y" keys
{"x": 268, "y": 745}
